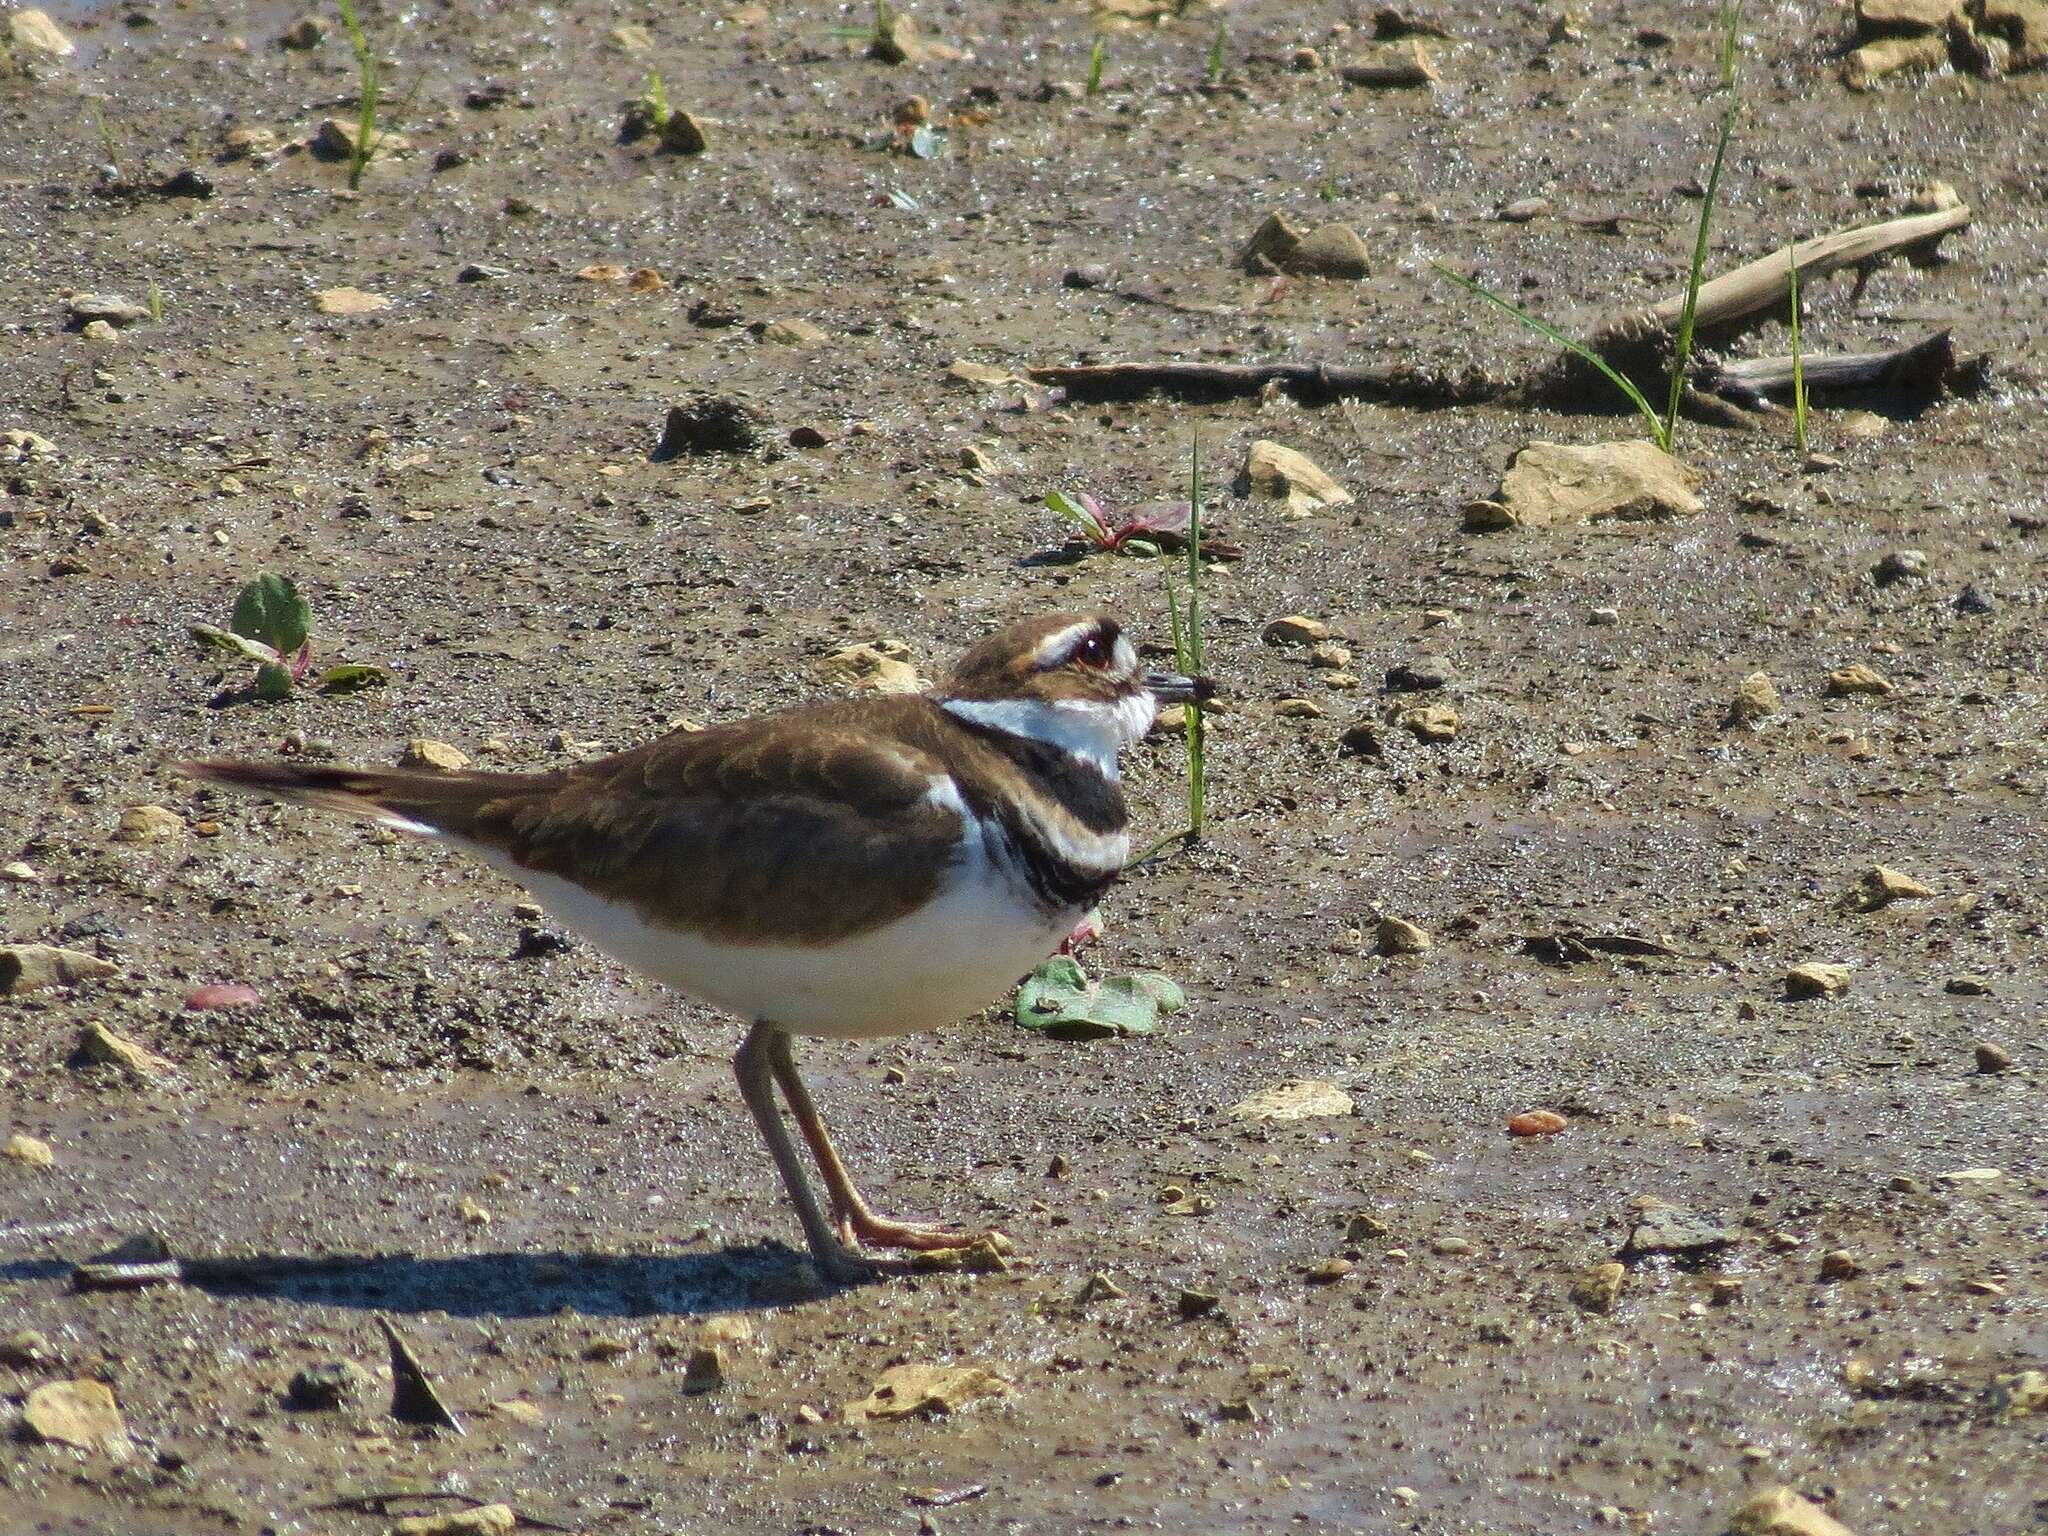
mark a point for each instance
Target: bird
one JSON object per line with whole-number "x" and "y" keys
{"x": 852, "y": 868}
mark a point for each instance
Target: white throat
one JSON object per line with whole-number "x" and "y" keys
{"x": 1090, "y": 730}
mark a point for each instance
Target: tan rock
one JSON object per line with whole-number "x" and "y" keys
{"x": 1392, "y": 65}
{"x": 33, "y": 967}
{"x": 793, "y": 333}
{"x": 77, "y": 1413}
{"x": 1755, "y": 699}
{"x": 1295, "y": 629}
{"x": 704, "y": 1371}
{"x": 1869, "y": 64}
{"x": 1330, "y": 656}
{"x": 337, "y": 137}
{"x": 881, "y": 666}
{"x": 1782, "y": 1512}
{"x": 1879, "y": 887}
{"x": 1335, "y": 250}
{"x": 425, "y": 752}
{"x": 929, "y": 1391}
{"x": 482, "y": 1520}
{"x": 1551, "y": 485}
{"x": 1813, "y": 979}
{"x": 1878, "y": 16}
{"x": 148, "y": 824}
{"x": 32, "y": 31}
{"x": 1845, "y": 682}
{"x": 1429, "y": 722}
{"x": 349, "y": 301}
{"x": 1599, "y": 1288}
{"x": 2022, "y": 24}
{"x": 1276, "y": 473}
{"x": 1398, "y": 936}
{"x": 1298, "y": 709}
{"x": 2018, "y": 1394}
{"x": 29, "y": 1151}
{"x": 99, "y": 1046}
{"x": 1300, "y": 1098}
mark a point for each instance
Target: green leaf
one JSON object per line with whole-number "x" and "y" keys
{"x": 273, "y": 681}
{"x": 1139, "y": 549}
{"x": 1058, "y": 1000}
{"x": 352, "y": 678}
{"x": 227, "y": 640}
{"x": 1081, "y": 516}
{"x": 270, "y": 609}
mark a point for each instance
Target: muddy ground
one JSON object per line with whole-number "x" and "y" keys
{"x": 461, "y": 484}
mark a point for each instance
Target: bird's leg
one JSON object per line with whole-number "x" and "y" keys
{"x": 857, "y": 1219}
{"x": 756, "y": 1065}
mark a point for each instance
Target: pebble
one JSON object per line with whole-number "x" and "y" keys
{"x": 425, "y": 752}
{"x": 1974, "y": 601}
{"x": 222, "y": 995}
{"x": 1398, "y": 936}
{"x": 1992, "y": 1058}
{"x": 1452, "y": 1247}
{"x": 1879, "y": 886}
{"x": 148, "y": 824}
{"x": 1362, "y": 1227}
{"x": 1604, "y": 618}
{"x": 1523, "y": 209}
{"x": 1755, "y": 699}
{"x": 1967, "y": 986}
{"x": 1838, "y": 1264}
{"x": 1274, "y": 472}
{"x": 793, "y": 333}
{"x": 347, "y": 300}
{"x": 1329, "y": 1272}
{"x": 1856, "y": 678}
{"x": 1299, "y": 1098}
{"x": 78, "y": 1413}
{"x": 28, "y": 1151}
{"x": 1669, "y": 1229}
{"x": 110, "y": 307}
{"x": 19, "y": 872}
{"x": 1296, "y": 629}
{"x": 685, "y": 134}
{"x": 1814, "y": 979}
{"x": 36, "y": 967}
{"x": 1298, "y": 709}
{"x": 1900, "y": 565}
{"x": 1419, "y": 674}
{"x": 303, "y": 35}
{"x": 709, "y": 424}
{"x": 1092, "y": 274}
{"x": 99, "y": 1046}
{"x": 704, "y": 1371}
{"x": 1363, "y": 738}
{"x": 24, "y": 1347}
{"x": 333, "y": 1384}
{"x": 482, "y": 1520}
{"x": 1431, "y": 722}
{"x": 1330, "y": 656}
{"x": 1597, "y": 1289}
{"x": 1537, "y": 1122}
{"x": 1782, "y": 1512}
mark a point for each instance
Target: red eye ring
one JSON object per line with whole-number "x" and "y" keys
{"x": 1093, "y": 651}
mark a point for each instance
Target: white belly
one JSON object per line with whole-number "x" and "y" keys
{"x": 941, "y": 963}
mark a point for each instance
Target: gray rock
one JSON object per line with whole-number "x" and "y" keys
{"x": 333, "y": 1384}
{"x": 1419, "y": 674}
{"x": 1672, "y": 1230}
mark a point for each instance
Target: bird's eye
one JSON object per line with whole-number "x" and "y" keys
{"x": 1095, "y": 651}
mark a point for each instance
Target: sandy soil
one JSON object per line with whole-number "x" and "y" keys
{"x": 461, "y": 484}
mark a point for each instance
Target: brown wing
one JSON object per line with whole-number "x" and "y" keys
{"x": 799, "y": 828}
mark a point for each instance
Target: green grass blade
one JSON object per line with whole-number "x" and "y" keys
{"x": 1798, "y": 358}
{"x": 1681, "y": 355}
{"x": 1198, "y": 767}
{"x": 1620, "y": 381}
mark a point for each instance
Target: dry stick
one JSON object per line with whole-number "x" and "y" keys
{"x": 1923, "y": 366}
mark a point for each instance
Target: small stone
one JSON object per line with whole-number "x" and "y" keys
{"x": 1334, "y": 251}
{"x": 1391, "y": 66}
{"x": 482, "y": 1520}
{"x": 1330, "y": 656}
{"x": 1782, "y": 1512}
{"x": 1813, "y": 979}
{"x": 1296, "y": 629}
{"x": 32, "y": 31}
{"x": 808, "y": 437}
{"x": 709, "y": 424}
{"x": 684, "y": 134}
{"x": 481, "y": 272}
{"x": 883, "y": 666}
{"x": 1879, "y": 887}
{"x": 1301, "y": 1098}
{"x": 1837, "y": 1264}
{"x": 439, "y": 756}
{"x": 1363, "y": 1227}
{"x": 1856, "y": 678}
{"x": 1398, "y": 936}
{"x": 1329, "y": 1272}
{"x": 303, "y": 35}
{"x": 148, "y": 824}
{"x": 793, "y": 333}
{"x": 1992, "y": 1058}
{"x": 1971, "y": 1176}
{"x": 605, "y": 1349}
{"x": 28, "y": 968}
{"x": 1967, "y": 986}
{"x": 1874, "y": 17}
{"x": 929, "y": 1391}
{"x": 1900, "y": 565}
{"x": 704, "y": 1371}
{"x": 1274, "y": 472}
{"x": 1192, "y": 1304}
{"x": 519, "y": 1411}
{"x": 1363, "y": 738}
{"x": 1537, "y": 1122}
{"x": 630, "y": 38}
{"x": 1668, "y": 1229}
{"x": 77, "y": 1413}
{"x": 1755, "y": 699}
{"x": 19, "y": 872}
{"x": 1419, "y": 674}
{"x": 99, "y": 1046}
{"x": 336, "y": 140}
{"x": 1974, "y": 602}
{"x": 2017, "y": 1394}
{"x": 100, "y": 331}
{"x": 1298, "y": 709}
{"x": 1597, "y": 1289}
{"x": 29, "y": 1151}
{"x": 349, "y": 301}
{"x": 1453, "y": 1247}
{"x": 471, "y": 1213}
{"x": 1523, "y": 209}
{"x": 334, "y": 1384}
{"x": 1604, "y": 618}
{"x": 24, "y": 1347}
{"x": 1429, "y": 722}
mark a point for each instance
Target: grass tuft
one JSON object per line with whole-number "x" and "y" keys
{"x": 1097, "y": 56}
{"x": 371, "y": 82}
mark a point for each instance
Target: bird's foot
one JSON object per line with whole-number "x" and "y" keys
{"x": 970, "y": 1252}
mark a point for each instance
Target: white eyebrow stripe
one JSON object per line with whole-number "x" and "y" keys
{"x": 1059, "y": 645}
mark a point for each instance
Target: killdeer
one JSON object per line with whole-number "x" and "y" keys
{"x": 850, "y": 869}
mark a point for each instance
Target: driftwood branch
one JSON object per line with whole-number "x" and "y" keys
{"x": 1921, "y": 370}
{"x": 1313, "y": 383}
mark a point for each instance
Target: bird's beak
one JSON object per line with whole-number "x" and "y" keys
{"x": 1172, "y": 688}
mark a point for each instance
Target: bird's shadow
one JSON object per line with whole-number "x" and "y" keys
{"x": 502, "y": 1285}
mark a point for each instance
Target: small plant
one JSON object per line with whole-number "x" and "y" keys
{"x": 653, "y": 103}
{"x": 875, "y": 34}
{"x": 1731, "y": 50}
{"x": 1328, "y": 190}
{"x": 370, "y": 80}
{"x": 107, "y": 145}
{"x": 1798, "y": 359}
{"x": 1097, "y": 56}
{"x": 1216, "y": 54}
{"x": 1186, "y": 627}
{"x": 1659, "y": 432}
{"x": 1139, "y": 534}
{"x": 272, "y": 626}
{"x": 156, "y": 303}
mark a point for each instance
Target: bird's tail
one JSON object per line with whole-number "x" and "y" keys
{"x": 421, "y": 801}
